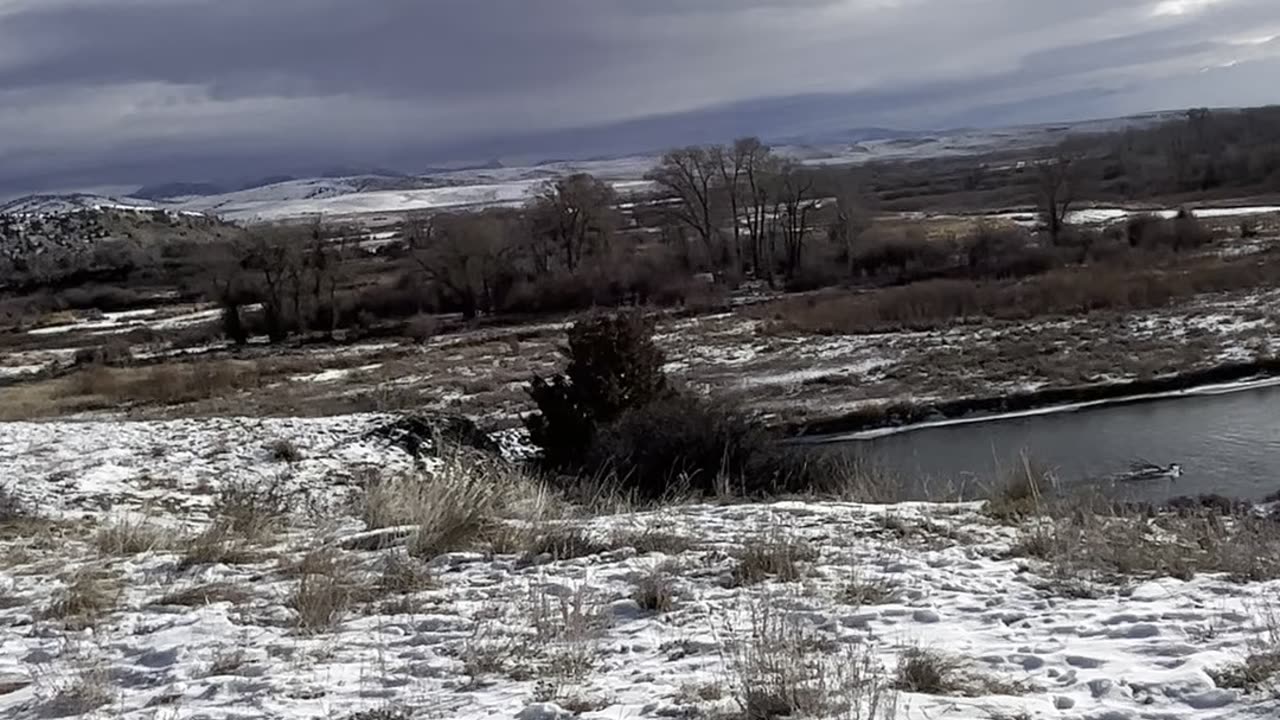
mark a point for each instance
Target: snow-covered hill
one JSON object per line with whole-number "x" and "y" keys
{"x": 71, "y": 203}
{"x": 496, "y": 184}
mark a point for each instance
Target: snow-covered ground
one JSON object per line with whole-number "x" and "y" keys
{"x": 495, "y": 636}
{"x": 1103, "y": 215}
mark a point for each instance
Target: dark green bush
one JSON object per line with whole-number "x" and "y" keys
{"x": 614, "y": 366}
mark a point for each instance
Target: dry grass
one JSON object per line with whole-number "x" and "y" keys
{"x": 126, "y": 537}
{"x": 785, "y": 669}
{"x": 656, "y": 591}
{"x": 86, "y": 598}
{"x": 458, "y": 505}
{"x": 217, "y": 545}
{"x": 648, "y": 541}
{"x": 1020, "y": 491}
{"x": 937, "y": 673}
{"x": 87, "y": 691}
{"x": 860, "y": 591}
{"x": 402, "y": 574}
{"x": 772, "y": 556}
{"x": 1120, "y": 544}
{"x": 559, "y": 542}
{"x": 934, "y": 304}
{"x": 163, "y": 384}
{"x": 254, "y": 510}
{"x": 324, "y": 594}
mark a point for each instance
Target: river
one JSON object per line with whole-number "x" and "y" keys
{"x": 1227, "y": 443}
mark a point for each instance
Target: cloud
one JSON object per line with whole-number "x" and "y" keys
{"x": 138, "y": 90}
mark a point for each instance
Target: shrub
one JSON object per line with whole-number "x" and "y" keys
{"x": 903, "y": 258}
{"x": 284, "y": 450}
{"x": 1183, "y": 232}
{"x": 1000, "y": 252}
{"x": 614, "y": 366}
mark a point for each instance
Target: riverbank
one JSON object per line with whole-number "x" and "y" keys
{"x": 877, "y": 422}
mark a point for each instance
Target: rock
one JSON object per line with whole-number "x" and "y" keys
{"x": 1210, "y": 699}
{"x": 417, "y": 434}
{"x": 926, "y": 616}
{"x": 1100, "y": 687}
{"x": 1062, "y": 702}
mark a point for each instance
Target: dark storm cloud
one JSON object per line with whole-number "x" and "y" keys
{"x": 118, "y": 90}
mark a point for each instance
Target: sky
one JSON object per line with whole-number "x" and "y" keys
{"x": 99, "y": 92}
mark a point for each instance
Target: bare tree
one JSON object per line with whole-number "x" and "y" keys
{"x": 690, "y": 176}
{"x": 797, "y": 201}
{"x": 849, "y": 222}
{"x": 467, "y": 257}
{"x": 576, "y": 215}
{"x": 760, "y": 168}
{"x": 273, "y": 256}
{"x": 1058, "y": 184}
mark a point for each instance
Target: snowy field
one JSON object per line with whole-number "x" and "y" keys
{"x": 574, "y": 631}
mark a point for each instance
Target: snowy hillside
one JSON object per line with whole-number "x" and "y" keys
{"x": 222, "y": 569}
{"x": 71, "y": 203}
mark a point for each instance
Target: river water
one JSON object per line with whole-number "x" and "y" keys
{"x": 1226, "y": 442}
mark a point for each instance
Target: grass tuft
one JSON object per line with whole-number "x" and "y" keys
{"x": 771, "y": 556}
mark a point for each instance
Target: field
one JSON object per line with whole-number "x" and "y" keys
{"x": 765, "y": 349}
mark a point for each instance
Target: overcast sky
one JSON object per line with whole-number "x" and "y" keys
{"x": 118, "y": 91}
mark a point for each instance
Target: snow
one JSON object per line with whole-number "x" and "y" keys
{"x": 17, "y": 371}
{"x": 370, "y": 194}
{"x": 1102, "y": 215}
{"x": 1139, "y": 652}
{"x": 334, "y": 374}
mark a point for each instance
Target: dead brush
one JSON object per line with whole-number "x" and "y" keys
{"x": 783, "y": 667}
{"x": 862, "y": 590}
{"x": 87, "y": 596}
{"x": 132, "y": 536}
{"x": 569, "y": 629}
{"x": 648, "y": 541}
{"x": 86, "y": 691}
{"x": 1259, "y": 668}
{"x": 771, "y": 556}
{"x": 454, "y": 506}
{"x": 324, "y": 594}
{"x": 253, "y": 510}
{"x": 560, "y": 542}
{"x": 1122, "y": 544}
{"x": 655, "y": 592}
{"x": 936, "y": 673}
{"x": 216, "y": 545}
{"x": 1021, "y": 490}
{"x": 402, "y": 574}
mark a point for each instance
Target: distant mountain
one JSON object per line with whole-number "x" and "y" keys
{"x": 176, "y": 190}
